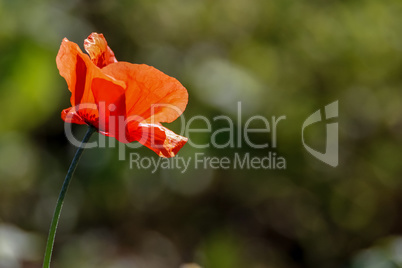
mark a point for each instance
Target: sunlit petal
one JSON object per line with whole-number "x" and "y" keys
{"x": 159, "y": 139}
{"x": 149, "y": 91}
{"x": 97, "y": 48}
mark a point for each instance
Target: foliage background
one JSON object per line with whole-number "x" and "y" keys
{"x": 277, "y": 57}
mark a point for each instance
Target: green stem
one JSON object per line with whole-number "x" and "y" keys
{"x": 59, "y": 205}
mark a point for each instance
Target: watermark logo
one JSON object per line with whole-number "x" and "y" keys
{"x": 255, "y": 133}
{"x": 330, "y": 156}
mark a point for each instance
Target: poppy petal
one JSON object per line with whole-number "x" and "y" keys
{"x": 97, "y": 48}
{"x": 70, "y": 116}
{"x": 79, "y": 71}
{"x": 111, "y": 102}
{"x": 159, "y": 139}
{"x": 86, "y": 113}
{"x": 150, "y": 94}
{"x": 75, "y": 67}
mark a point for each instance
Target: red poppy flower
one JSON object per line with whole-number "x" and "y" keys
{"x": 122, "y": 100}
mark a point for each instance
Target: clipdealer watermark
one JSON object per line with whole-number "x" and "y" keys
{"x": 238, "y": 132}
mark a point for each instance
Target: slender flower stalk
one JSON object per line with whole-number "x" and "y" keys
{"x": 59, "y": 205}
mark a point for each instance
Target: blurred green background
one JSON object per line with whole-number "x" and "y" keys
{"x": 278, "y": 58}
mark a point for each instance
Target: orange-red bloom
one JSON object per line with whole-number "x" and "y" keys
{"x": 122, "y": 100}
